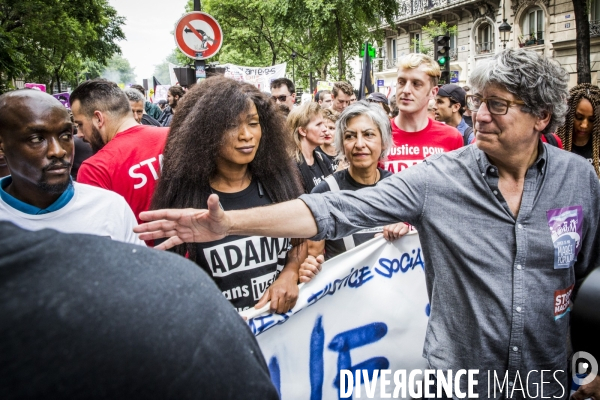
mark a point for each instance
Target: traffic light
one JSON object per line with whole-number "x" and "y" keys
{"x": 371, "y": 51}
{"x": 441, "y": 50}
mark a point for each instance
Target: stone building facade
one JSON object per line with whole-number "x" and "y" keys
{"x": 545, "y": 26}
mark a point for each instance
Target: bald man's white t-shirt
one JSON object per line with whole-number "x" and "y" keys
{"x": 92, "y": 210}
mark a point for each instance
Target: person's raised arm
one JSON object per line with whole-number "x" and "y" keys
{"x": 289, "y": 219}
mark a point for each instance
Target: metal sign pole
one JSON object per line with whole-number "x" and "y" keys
{"x": 199, "y": 65}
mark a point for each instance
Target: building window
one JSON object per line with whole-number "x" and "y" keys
{"x": 595, "y": 11}
{"x": 393, "y": 49}
{"x": 485, "y": 39}
{"x": 533, "y": 26}
{"x": 595, "y": 18}
{"x": 416, "y": 42}
{"x": 453, "y": 47}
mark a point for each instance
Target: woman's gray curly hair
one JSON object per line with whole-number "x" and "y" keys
{"x": 536, "y": 80}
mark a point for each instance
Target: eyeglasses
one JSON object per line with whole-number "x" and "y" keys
{"x": 280, "y": 98}
{"x": 495, "y": 105}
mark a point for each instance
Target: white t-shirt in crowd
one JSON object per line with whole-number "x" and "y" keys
{"x": 91, "y": 211}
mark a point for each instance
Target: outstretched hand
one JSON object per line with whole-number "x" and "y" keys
{"x": 185, "y": 225}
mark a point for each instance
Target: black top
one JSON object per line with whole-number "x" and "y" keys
{"x": 334, "y": 162}
{"x": 85, "y": 317}
{"x": 166, "y": 117}
{"x": 312, "y": 175}
{"x": 585, "y": 151}
{"x": 148, "y": 120}
{"x": 346, "y": 182}
{"x": 243, "y": 267}
{"x": 83, "y": 151}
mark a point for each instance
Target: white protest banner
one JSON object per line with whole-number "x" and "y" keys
{"x": 172, "y": 75}
{"x": 260, "y": 77}
{"x": 367, "y": 310}
{"x": 161, "y": 93}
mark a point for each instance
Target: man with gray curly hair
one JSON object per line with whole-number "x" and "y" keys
{"x": 509, "y": 229}
{"x": 137, "y": 101}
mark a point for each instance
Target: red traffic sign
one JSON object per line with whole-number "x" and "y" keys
{"x": 198, "y": 35}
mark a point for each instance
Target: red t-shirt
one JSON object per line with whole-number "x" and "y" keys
{"x": 411, "y": 148}
{"x": 129, "y": 165}
{"x": 559, "y": 142}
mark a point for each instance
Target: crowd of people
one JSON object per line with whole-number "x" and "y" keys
{"x": 466, "y": 166}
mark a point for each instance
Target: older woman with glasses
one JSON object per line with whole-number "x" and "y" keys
{"x": 363, "y": 136}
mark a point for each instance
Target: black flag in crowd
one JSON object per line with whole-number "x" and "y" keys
{"x": 366, "y": 81}
{"x": 155, "y": 82}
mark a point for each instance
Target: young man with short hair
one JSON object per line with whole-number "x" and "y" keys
{"x": 36, "y": 136}
{"x": 325, "y": 98}
{"x": 127, "y": 155}
{"x": 416, "y": 136}
{"x": 342, "y": 95}
{"x": 450, "y": 104}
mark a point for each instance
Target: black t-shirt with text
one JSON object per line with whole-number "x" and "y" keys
{"x": 243, "y": 267}
{"x": 334, "y": 161}
{"x": 586, "y": 151}
{"x": 312, "y": 175}
{"x": 346, "y": 182}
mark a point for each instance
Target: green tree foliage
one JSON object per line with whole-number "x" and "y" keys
{"x": 325, "y": 34}
{"x": 47, "y": 41}
{"x": 119, "y": 70}
{"x": 430, "y": 31}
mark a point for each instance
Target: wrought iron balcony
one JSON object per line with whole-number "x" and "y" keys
{"x": 594, "y": 28}
{"x": 484, "y": 48}
{"x": 409, "y": 8}
{"x": 385, "y": 64}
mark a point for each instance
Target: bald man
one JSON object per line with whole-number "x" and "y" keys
{"x": 36, "y": 136}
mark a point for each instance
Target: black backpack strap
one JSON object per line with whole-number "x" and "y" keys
{"x": 466, "y": 135}
{"x": 550, "y": 139}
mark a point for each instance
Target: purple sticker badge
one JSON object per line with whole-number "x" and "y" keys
{"x": 565, "y": 227}
{"x": 64, "y": 98}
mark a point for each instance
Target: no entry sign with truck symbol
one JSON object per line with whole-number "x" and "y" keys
{"x": 198, "y": 35}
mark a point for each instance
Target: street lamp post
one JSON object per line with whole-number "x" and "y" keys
{"x": 504, "y": 29}
{"x": 294, "y": 67}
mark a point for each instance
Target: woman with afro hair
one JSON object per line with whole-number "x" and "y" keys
{"x": 228, "y": 139}
{"x": 581, "y": 132}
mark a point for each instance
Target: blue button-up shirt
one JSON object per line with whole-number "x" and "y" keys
{"x": 499, "y": 285}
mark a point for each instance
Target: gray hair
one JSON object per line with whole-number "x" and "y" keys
{"x": 538, "y": 81}
{"x": 377, "y": 115}
{"x": 134, "y": 95}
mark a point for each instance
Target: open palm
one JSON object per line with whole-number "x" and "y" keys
{"x": 184, "y": 225}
